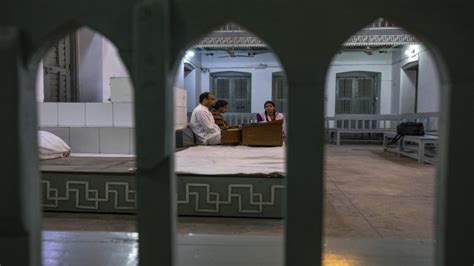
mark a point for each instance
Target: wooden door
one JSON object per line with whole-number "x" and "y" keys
{"x": 59, "y": 72}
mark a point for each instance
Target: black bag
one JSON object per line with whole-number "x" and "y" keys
{"x": 409, "y": 128}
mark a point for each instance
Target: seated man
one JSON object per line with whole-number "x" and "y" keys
{"x": 202, "y": 121}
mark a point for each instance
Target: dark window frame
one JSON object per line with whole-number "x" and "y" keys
{"x": 355, "y": 76}
{"x": 282, "y": 103}
{"x": 232, "y": 76}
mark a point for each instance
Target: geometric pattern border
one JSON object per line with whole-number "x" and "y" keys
{"x": 380, "y": 36}
{"x": 228, "y": 42}
{"x": 353, "y": 41}
{"x": 196, "y": 195}
{"x": 256, "y": 199}
{"x": 380, "y": 40}
{"x": 87, "y": 198}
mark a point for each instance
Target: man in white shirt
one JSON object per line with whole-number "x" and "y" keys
{"x": 202, "y": 122}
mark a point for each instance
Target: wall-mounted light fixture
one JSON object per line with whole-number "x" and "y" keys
{"x": 189, "y": 54}
{"x": 412, "y": 50}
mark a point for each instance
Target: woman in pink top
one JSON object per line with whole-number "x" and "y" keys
{"x": 271, "y": 114}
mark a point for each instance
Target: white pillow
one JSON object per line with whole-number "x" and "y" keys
{"x": 51, "y": 146}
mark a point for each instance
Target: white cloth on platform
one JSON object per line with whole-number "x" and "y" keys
{"x": 51, "y": 146}
{"x": 231, "y": 160}
{"x": 203, "y": 125}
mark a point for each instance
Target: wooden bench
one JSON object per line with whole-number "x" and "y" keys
{"x": 363, "y": 124}
{"x": 356, "y": 131}
{"x": 420, "y": 153}
{"x": 375, "y": 123}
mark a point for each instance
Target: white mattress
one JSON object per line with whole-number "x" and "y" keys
{"x": 51, "y": 146}
{"x": 231, "y": 160}
{"x": 106, "y": 155}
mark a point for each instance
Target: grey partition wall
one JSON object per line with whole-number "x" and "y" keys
{"x": 151, "y": 36}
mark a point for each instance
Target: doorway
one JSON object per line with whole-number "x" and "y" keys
{"x": 409, "y": 87}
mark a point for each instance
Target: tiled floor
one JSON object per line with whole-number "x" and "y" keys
{"x": 107, "y": 248}
{"x": 368, "y": 194}
{"x": 372, "y": 192}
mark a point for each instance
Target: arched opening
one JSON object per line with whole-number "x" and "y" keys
{"x": 234, "y": 186}
{"x": 86, "y": 136}
{"x": 382, "y": 128}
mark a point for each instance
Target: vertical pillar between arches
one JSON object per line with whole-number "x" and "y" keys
{"x": 455, "y": 197}
{"x": 304, "y": 208}
{"x": 20, "y": 196}
{"x": 154, "y": 127}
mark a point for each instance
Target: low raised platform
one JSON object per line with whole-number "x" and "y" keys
{"x": 108, "y": 185}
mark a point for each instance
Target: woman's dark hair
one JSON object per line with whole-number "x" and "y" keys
{"x": 219, "y": 104}
{"x": 269, "y": 102}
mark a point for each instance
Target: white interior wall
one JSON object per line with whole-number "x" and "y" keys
{"x": 429, "y": 84}
{"x": 360, "y": 61}
{"x": 112, "y": 67}
{"x": 99, "y": 61}
{"x": 192, "y": 83}
{"x": 90, "y": 62}
{"x": 179, "y": 79}
{"x": 395, "y": 95}
{"x": 261, "y": 85}
{"x": 407, "y": 91}
{"x": 180, "y": 97}
{"x": 428, "y": 80}
{"x": 190, "y": 87}
{"x": 180, "y": 111}
{"x": 40, "y": 83}
{"x": 197, "y": 89}
{"x": 403, "y": 85}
